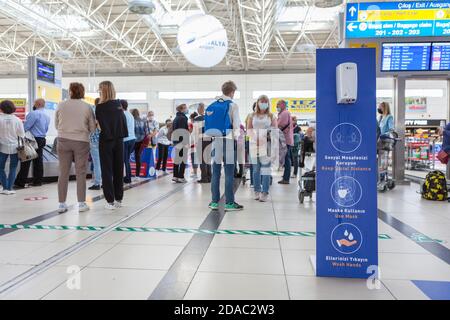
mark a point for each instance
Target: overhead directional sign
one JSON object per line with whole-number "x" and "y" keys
{"x": 398, "y": 19}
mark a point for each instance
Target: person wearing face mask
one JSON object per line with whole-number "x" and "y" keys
{"x": 259, "y": 125}
{"x": 286, "y": 127}
{"x": 386, "y": 120}
{"x": 180, "y": 139}
{"x": 247, "y": 145}
{"x": 153, "y": 127}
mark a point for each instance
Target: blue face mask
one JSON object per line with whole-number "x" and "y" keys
{"x": 278, "y": 109}
{"x": 263, "y": 106}
{"x": 186, "y": 112}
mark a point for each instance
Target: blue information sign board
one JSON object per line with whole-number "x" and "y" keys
{"x": 406, "y": 56}
{"x": 440, "y": 59}
{"x": 398, "y": 19}
{"x": 347, "y": 242}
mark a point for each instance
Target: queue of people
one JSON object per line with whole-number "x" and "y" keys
{"x": 109, "y": 134}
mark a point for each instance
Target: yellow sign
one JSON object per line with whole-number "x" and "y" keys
{"x": 296, "y": 106}
{"x": 410, "y": 15}
{"x": 18, "y": 102}
{"x": 89, "y": 100}
{"x": 52, "y": 95}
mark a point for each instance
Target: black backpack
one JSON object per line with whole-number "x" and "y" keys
{"x": 435, "y": 187}
{"x": 309, "y": 184}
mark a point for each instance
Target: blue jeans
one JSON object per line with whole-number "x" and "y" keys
{"x": 221, "y": 151}
{"x": 95, "y": 155}
{"x": 128, "y": 148}
{"x": 8, "y": 181}
{"x": 287, "y": 165}
{"x": 261, "y": 175}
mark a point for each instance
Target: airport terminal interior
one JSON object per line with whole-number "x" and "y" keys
{"x": 352, "y": 97}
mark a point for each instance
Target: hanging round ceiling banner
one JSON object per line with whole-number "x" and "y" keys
{"x": 203, "y": 40}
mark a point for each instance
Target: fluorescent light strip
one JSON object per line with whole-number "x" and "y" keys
{"x": 13, "y": 96}
{"x": 172, "y": 95}
{"x": 384, "y": 93}
{"x": 428, "y": 93}
{"x": 286, "y": 94}
{"x": 131, "y": 96}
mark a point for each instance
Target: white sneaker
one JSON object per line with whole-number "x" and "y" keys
{"x": 11, "y": 192}
{"x": 83, "y": 207}
{"x": 257, "y": 195}
{"x": 118, "y": 204}
{"x": 183, "y": 180}
{"x": 175, "y": 180}
{"x": 264, "y": 197}
{"x": 110, "y": 206}
{"x": 62, "y": 208}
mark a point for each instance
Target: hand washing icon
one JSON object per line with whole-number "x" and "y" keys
{"x": 346, "y": 238}
{"x": 348, "y": 241}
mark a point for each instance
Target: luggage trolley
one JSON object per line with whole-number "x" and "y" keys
{"x": 385, "y": 145}
{"x": 307, "y": 173}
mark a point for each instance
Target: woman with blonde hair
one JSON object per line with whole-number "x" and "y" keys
{"x": 386, "y": 121}
{"x": 113, "y": 126}
{"x": 259, "y": 125}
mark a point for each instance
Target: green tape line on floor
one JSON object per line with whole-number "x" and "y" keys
{"x": 172, "y": 230}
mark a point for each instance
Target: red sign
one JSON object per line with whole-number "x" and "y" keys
{"x": 35, "y": 198}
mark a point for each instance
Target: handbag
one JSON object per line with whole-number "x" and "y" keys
{"x": 31, "y": 139}
{"x": 443, "y": 157}
{"x": 25, "y": 150}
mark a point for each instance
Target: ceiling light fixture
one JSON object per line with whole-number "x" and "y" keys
{"x": 327, "y": 3}
{"x": 144, "y": 7}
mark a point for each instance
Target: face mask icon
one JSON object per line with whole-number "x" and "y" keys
{"x": 346, "y": 191}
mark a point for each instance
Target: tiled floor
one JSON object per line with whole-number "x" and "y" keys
{"x": 131, "y": 265}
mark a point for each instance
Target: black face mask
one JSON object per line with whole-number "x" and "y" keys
{"x": 380, "y": 111}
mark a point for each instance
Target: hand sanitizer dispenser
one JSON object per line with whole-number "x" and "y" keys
{"x": 347, "y": 83}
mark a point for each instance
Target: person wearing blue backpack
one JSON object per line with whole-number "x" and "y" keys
{"x": 222, "y": 123}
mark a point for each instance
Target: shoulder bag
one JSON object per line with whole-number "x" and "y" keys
{"x": 25, "y": 150}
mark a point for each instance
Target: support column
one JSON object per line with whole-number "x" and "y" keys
{"x": 398, "y": 165}
{"x": 31, "y": 82}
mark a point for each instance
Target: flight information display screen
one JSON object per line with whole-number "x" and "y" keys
{"x": 440, "y": 57}
{"x": 45, "y": 71}
{"x": 406, "y": 57}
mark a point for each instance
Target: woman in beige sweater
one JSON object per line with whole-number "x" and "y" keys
{"x": 75, "y": 121}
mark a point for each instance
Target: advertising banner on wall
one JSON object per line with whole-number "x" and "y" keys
{"x": 347, "y": 242}
{"x": 21, "y": 107}
{"x": 304, "y": 108}
{"x": 416, "y": 105}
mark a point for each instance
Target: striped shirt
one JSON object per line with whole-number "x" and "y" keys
{"x": 10, "y": 129}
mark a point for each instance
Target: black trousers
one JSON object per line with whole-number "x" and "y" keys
{"x": 111, "y": 159}
{"x": 295, "y": 157}
{"x": 38, "y": 166}
{"x": 163, "y": 154}
{"x": 205, "y": 165}
{"x": 137, "y": 157}
{"x": 179, "y": 166}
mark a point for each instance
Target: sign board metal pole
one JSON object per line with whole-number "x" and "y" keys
{"x": 398, "y": 166}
